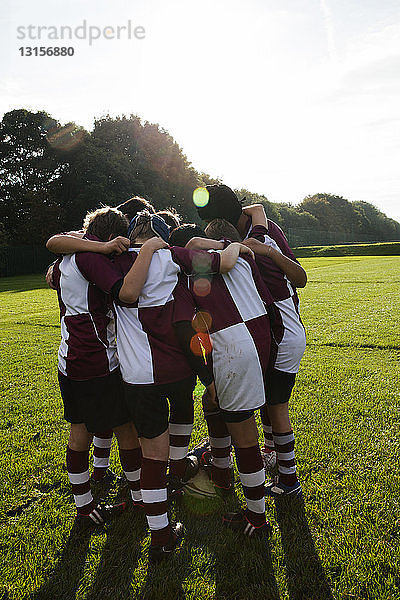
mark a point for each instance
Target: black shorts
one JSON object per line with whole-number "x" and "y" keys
{"x": 236, "y": 416}
{"x": 148, "y": 405}
{"x": 278, "y": 386}
{"x": 98, "y": 403}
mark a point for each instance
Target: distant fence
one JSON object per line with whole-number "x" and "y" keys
{"x": 317, "y": 237}
{"x": 24, "y": 260}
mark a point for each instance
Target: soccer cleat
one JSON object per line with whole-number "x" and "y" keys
{"x": 269, "y": 459}
{"x": 100, "y": 515}
{"x": 159, "y": 553}
{"x": 277, "y": 489}
{"x": 238, "y": 521}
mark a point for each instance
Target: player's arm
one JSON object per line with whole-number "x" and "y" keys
{"x": 230, "y": 255}
{"x": 135, "y": 279}
{"x": 257, "y": 214}
{"x": 199, "y": 243}
{"x": 293, "y": 270}
{"x": 69, "y": 243}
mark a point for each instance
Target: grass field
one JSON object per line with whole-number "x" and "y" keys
{"x": 343, "y": 542}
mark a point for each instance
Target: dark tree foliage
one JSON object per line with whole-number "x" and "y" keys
{"x": 51, "y": 175}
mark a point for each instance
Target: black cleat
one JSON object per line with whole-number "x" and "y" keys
{"x": 100, "y": 515}
{"x": 238, "y": 521}
{"x": 159, "y": 553}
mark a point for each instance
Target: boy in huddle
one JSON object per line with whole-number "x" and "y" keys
{"x": 89, "y": 375}
{"x": 281, "y": 273}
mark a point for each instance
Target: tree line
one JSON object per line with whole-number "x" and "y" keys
{"x": 52, "y": 174}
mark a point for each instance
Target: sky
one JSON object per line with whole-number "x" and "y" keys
{"x": 285, "y": 98}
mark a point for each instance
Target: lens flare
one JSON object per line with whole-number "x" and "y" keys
{"x": 202, "y": 287}
{"x": 200, "y": 344}
{"x": 66, "y": 137}
{"x": 202, "y": 321}
{"x": 200, "y": 196}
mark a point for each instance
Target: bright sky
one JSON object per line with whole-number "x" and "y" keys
{"x": 283, "y": 97}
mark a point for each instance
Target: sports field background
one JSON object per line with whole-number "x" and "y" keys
{"x": 342, "y": 543}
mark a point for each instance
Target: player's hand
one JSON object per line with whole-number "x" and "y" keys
{"x": 49, "y": 277}
{"x": 244, "y": 249}
{"x": 154, "y": 244}
{"x": 257, "y": 247}
{"x": 116, "y": 246}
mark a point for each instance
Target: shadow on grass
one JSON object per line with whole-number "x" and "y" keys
{"x": 305, "y": 575}
{"x": 64, "y": 578}
{"x": 238, "y": 567}
{"x": 119, "y": 559}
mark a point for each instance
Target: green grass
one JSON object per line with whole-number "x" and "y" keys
{"x": 342, "y": 542}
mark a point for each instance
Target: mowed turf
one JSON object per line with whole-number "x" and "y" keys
{"x": 342, "y": 542}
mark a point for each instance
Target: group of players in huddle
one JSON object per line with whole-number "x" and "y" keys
{"x": 146, "y": 308}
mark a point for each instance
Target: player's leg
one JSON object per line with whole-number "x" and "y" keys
{"x": 102, "y": 441}
{"x": 180, "y": 395}
{"x": 130, "y": 456}
{"x": 268, "y": 452}
{"x": 243, "y": 429}
{"x": 279, "y": 390}
{"x": 77, "y": 461}
{"x": 149, "y": 408}
{"x": 219, "y": 458}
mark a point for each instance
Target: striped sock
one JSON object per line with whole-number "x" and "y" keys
{"x": 101, "y": 454}
{"x": 220, "y": 443}
{"x": 153, "y": 482}
{"x": 269, "y": 445}
{"x": 284, "y": 444}
{"x": 78, "y": 474}
{"x": 130, "y": 463}
{"x": 179, "y": 438}
{"x": 252, "y": 477}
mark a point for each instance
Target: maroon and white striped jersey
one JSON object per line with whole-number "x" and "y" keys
{"x": 234, "y": 312}
{"x": 148, "y": 349}
{"x": 88, "y": 348}
{"x": 293, "y": 343}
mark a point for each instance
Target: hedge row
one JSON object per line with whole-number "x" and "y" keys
{"x": 382, "y": 249}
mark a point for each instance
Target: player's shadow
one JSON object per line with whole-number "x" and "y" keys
{"x": 119, "y": 559}
{"x": 241, "y": 568}
{"x": 305, "y": 575}
{"x": 64, "y": 578}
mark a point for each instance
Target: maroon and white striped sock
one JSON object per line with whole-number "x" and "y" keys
{"x": 153, "y": 483}
{"x": 284, "y": 444}
{"x": 131, "y": 463}
{"x": 252, "y": 477}
{"x": 78, "y": 474}
{"x": 179, "y": 439}
{"x": 269, "y": 445}
{"x": 220, "y": 443}
{"x": 101, "y": 454}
